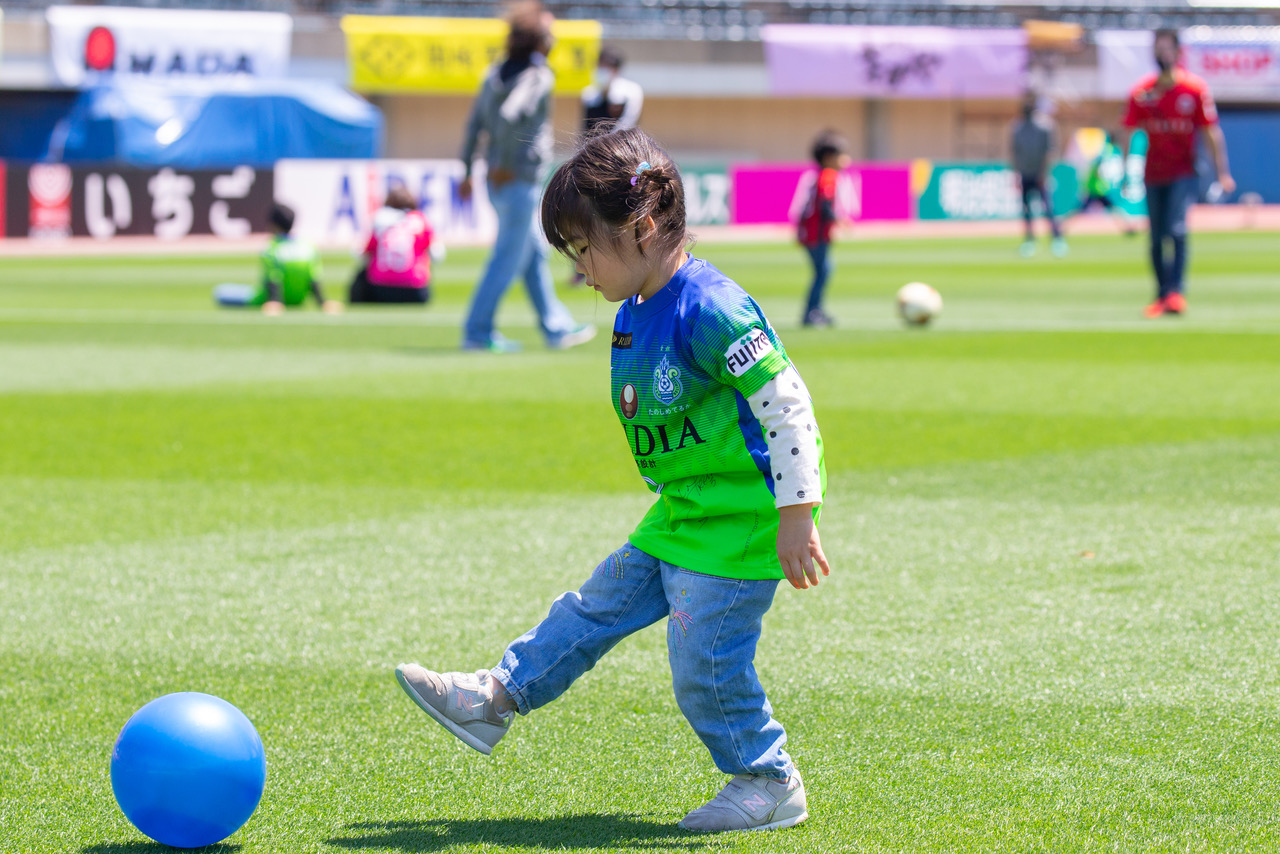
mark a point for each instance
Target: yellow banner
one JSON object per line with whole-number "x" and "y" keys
{"x": 450, "y": 55}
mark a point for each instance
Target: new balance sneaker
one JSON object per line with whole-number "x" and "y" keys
{"x": 580, "y": 334}
{"x": 459, "y": 702}
{"x": 752, "y": 803}
{"x": 1175, "y": 303}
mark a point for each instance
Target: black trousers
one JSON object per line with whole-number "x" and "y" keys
{"x": 362, "y": 290}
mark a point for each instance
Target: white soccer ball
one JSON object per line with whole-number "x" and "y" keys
{"x": 918, "y": 303}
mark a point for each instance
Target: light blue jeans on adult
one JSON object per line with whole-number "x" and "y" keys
{"x": 713, "y": 625}
{"x": 519, "y": 250}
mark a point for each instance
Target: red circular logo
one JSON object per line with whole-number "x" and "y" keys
{"x": 629, "y": 401}
{"x": 100, "y": 50}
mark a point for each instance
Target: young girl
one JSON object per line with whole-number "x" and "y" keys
{"x": 721, "y": 428}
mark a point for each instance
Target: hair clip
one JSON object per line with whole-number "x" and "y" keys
{"x": 644, "y": 164}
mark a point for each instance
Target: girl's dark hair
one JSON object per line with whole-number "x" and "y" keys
{"x": 599, "y": 197}
{"x": 826, "y": 143}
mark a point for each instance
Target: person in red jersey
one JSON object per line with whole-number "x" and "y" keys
{"x": 1173, "y": 106}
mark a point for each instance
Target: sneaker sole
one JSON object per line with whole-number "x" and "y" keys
{"x": 464, "y": 736}
{"x": 776, "y": 825}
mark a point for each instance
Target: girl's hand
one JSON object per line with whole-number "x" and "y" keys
{"x": 799, "y": 546}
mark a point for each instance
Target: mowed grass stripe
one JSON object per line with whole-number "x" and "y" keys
{"x": 1050, "y": 624}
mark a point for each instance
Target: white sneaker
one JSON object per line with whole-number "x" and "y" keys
{"x": 459, "y": 701}
{"x": 752, "y": 803}
{"x": 580, "y": 334}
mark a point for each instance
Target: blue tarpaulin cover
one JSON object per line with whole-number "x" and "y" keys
{"x": 200, "y": 125}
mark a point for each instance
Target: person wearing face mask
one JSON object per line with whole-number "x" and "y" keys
{"x": 612, "y": 102}
{"x": 1033, "y": 143}
{"x": 1174, "y": 107}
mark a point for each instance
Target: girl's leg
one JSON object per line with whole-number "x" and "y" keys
{"x": 712, "y": 631}
{"x": 622, "y": 596}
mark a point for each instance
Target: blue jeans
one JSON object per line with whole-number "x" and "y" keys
{"x": 713, "y": 625}
{"x": 1167, "y": 206}
{"x": 519, "y": 250}
{"x": 822, "y": 267}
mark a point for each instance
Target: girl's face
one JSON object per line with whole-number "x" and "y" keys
{"x": 621, "y": 272}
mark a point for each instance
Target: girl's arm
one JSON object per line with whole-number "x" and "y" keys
{"x": 785, "y": 411}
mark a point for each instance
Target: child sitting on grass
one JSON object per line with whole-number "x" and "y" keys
{"x": 722, "y": 429}
{"x": 290, "y": 271}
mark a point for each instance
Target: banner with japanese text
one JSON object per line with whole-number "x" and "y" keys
{"x": 895, "y": 62}
{"x": 54, "y": 200}
{"x": 976, "y": 191}
{"x": 451, "y": 55}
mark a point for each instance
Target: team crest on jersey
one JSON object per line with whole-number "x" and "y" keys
{"x": 629, "y": 401}
{"x": 666, "y": 382}
{"x": 747, "y": 350}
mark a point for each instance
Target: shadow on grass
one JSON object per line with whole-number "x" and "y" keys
{"x": 563, "y": 832}
{"x": 427, "y": 350}
{"x": 153, "y": 848}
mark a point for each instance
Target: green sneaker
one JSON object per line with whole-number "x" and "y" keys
{"x": 461, "y": 702}
{"x": 752, "y": 803}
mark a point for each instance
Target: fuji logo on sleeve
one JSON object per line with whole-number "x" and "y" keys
{"x": 747, "y": 351}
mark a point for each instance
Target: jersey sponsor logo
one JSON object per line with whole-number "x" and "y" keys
{"x": 621, "y": 340}
{"x": 748, "y": 350}
{"x": 628, "y": 401}
{"x": 1186, "y": 103}
{"x": 666, "y": 382}
{"x": 646, "y": 442}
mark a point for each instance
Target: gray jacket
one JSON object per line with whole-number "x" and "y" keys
{"x": 515, "y": 117}
{"x": 1033, "y": 143}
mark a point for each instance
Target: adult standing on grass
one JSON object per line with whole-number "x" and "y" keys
{"x": 1033, "y": 142}
{"x": 1173, "y": 106}
{"x": 513, "y": 111}
{"x": 722, "y": 429}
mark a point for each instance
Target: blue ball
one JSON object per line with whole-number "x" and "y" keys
{"x": 188, "y": 769}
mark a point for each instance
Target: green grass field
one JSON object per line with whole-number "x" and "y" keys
{"x": 1051, "y": 623}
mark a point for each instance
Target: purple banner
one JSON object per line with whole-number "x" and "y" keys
{"x": 775, "y": 192}
{"x": 895, "y": 62}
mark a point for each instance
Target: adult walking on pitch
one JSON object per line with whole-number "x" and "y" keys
{"x": 513, "y": 110}
{"x": 1173, "y": 106}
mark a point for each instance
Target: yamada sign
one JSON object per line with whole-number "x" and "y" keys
{"x": 90, "y": 43}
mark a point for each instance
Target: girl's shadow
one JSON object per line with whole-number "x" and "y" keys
{"x": 563, "y": 832}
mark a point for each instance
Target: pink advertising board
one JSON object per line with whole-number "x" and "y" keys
{"x": 774, "y": 192}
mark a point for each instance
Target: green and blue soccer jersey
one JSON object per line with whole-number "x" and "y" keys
{"x": 684, "y": 364}
{"x": 292, "y": 265}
